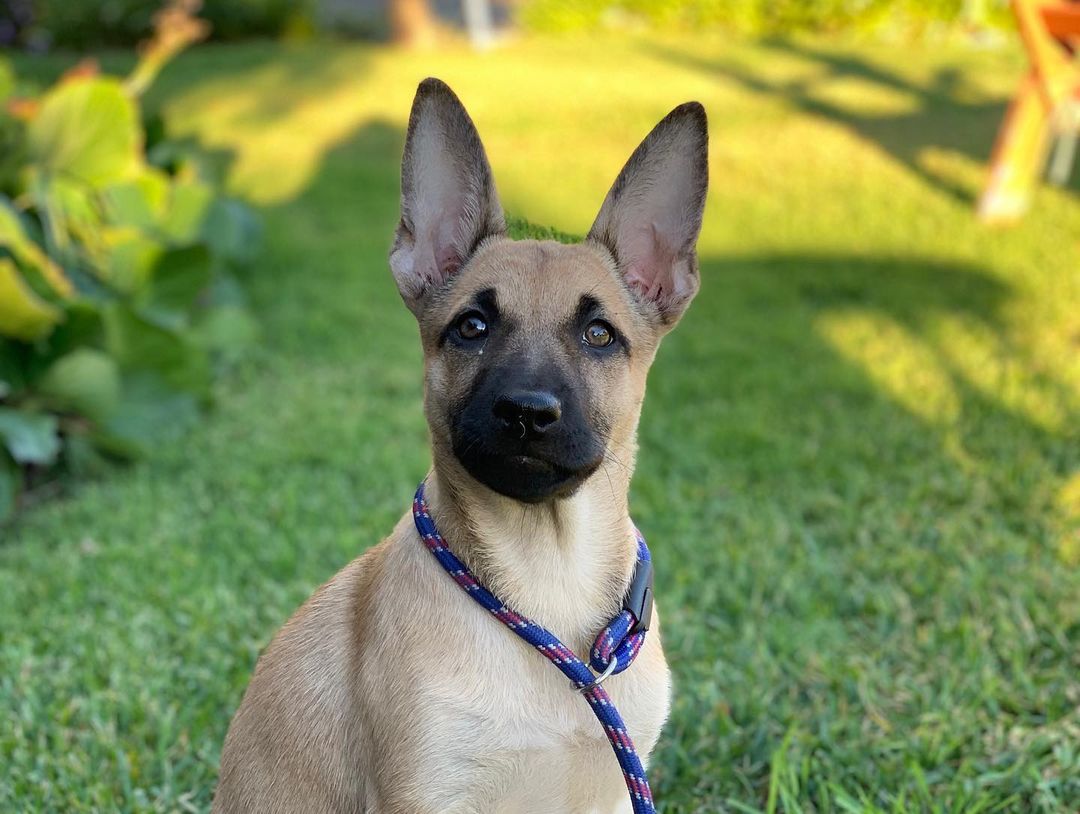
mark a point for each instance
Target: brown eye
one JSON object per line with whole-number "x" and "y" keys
{"x": 598, "y": 335}
{"x": 472, "y": 326}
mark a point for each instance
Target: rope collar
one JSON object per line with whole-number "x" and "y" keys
{"x": 615, "y": 648}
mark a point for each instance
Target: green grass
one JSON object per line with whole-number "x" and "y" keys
{"x": 860, "y": 450}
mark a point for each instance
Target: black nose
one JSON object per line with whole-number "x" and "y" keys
{"x": 527, "y": 412}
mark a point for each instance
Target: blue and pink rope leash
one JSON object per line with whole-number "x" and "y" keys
{"x": 615, "y": 648}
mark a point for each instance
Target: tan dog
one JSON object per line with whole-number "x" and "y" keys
{"x": 390, "y": 691}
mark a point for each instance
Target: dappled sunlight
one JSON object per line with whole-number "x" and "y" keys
{"x": 858, "y": 95}
{"x": 557, "y": 139}
{"x": 556, "y": 133}
{"x": 279, "y": 122}
{"x": 876, "y": 100}
{"x": 906, "y": 290}
{"x": 899, "y": 362}
{"x": 858, "y": 453}
{"x": 1004, "y": 373}
{"x": 1068, "y": 508}
{"x": 951, "y": 169}
{"x": 921, "y": 370}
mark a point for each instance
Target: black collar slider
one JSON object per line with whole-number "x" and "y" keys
{"x": 639, "y": 596}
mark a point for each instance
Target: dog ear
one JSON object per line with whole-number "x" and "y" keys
{"x": 448, "y": 199}
{"x": 651, "y": 218}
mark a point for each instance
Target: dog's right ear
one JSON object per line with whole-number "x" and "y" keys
{"x": 652, "y": 216}
{"x": 448, "y": 199}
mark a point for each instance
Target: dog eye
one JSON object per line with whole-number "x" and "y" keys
{"x": 598, "y": 335}
{"x": 472, "y": 326}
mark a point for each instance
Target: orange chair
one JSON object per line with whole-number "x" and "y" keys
{"x": 1046, "y": 107}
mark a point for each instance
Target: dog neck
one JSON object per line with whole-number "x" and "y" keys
{"x": 563, "y": 563}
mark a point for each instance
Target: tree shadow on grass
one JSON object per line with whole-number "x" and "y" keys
{"x": 762, "y": 431}
{"x": 862, "y": 352}
{"x": 784, "y": 308}
{"x": 774, "y": 426}
{"x": 834, "y": 492}
{"x": 943, "y": 118}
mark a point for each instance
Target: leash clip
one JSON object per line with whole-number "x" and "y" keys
{"x": 639, "y": 597}
{"x": 600, "y": 679}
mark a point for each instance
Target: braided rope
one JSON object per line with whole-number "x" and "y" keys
{"x": 612, "y": 644}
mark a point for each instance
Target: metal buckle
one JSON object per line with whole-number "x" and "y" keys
{"x": 600, "y": 679}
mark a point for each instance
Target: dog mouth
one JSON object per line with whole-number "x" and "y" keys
{"x": 532, "y": 462}
{"x": 524, "y": 475}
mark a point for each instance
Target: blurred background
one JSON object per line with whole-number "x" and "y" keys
{"x": 43, "y": 24}
{"x": 860, "y": 456}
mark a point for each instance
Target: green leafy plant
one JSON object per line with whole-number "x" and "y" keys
{"x": 117, "y": 292}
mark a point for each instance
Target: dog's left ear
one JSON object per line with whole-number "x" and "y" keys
{"x": 651, "y": 218}
{"x": 448, "y": 199}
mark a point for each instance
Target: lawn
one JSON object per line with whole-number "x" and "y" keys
{"x": 860, "y": 461}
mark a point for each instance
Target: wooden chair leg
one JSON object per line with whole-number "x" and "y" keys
{"x": 1066, "y": 136}
{"x": 1019, "y": 155}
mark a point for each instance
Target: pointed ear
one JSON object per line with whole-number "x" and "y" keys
{"x": 448, "y": 199}
{"x": 651, "y": 218}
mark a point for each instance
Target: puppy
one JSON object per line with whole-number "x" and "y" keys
{"x": 390, "y": 691}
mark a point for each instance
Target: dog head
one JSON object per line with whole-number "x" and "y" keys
{"x": 536, "y": 353}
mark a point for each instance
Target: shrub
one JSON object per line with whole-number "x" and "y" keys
{"x": 117, "y": 298}
{"x": 80, "y": 25}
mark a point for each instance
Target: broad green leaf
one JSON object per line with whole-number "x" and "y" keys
{"x": 140, "y": 201}
{"x": 232, "y": 230}
{"x": 88, "y": 129}
{"x": 132, "y": 256}
{"x": 225, "y": 289}
{"x": 75, "y": 215}
{"x": 187, "y": 158}
{"x": 177, "y": 280}
{"x": 31, "y": 438}
{"x": 12, "y": 148}
{"x": 12, "y": 376}
{"x": 7, "y": 80}
{"x": 150, "y": 411}
{"x": 13, "y": 237}
{"x": 226, "y": 332}
{"x": 81, "y": 328}
{"x": 23, "y": 314}
{"x": 140, "y": 345}
{"x": 188, "y": 210}
{"x": 86, "y": 382}
{"x": 10, "y": 484}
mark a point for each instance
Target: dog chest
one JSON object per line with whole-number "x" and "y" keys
{"x": 492, "y": 723}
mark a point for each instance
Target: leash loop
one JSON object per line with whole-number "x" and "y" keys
{"x": 615, "y": 649}
{"x": 600, "y": 679}
{"x": 621, "y": 640}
